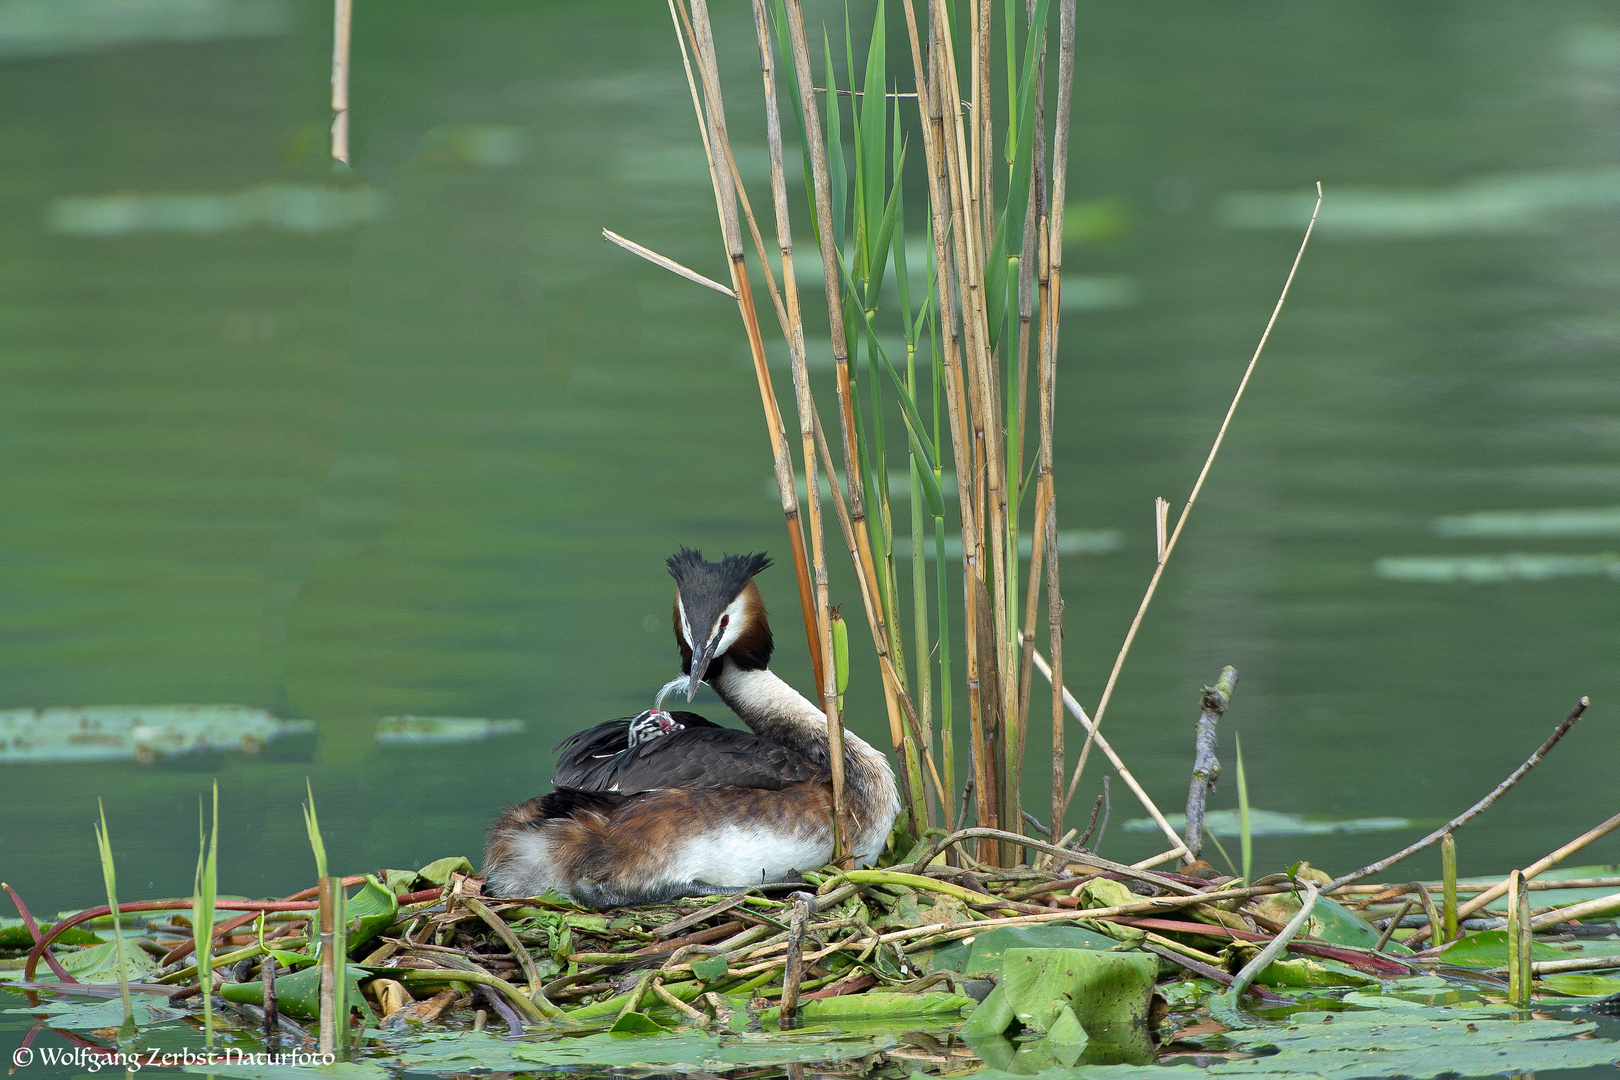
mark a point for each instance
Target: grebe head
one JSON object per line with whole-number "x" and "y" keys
{"x": 718, "y": 613}
{"x": 652, "y": 724}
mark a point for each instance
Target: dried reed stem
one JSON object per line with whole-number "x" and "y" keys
{"x": 1186, "y": 511}
{"x": 667, "y": 263}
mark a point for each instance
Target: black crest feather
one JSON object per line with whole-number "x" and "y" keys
{"x": 693, "y": 574}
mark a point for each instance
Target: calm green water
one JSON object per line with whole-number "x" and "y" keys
{"x": 258, "y": 453}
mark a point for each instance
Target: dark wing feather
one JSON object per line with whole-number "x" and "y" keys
{"x": 589, "y": 760}
{"x": 699, "y": 758}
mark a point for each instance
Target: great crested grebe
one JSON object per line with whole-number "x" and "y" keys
{"x": 654, "y": 808}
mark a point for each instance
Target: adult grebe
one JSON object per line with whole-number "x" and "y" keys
{"x": 692, "y": 808}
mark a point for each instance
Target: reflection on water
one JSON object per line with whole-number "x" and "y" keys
{"x": 1530, "y": 202}
{"x": 262, "y": 443}
{"x": 293, "y": 207}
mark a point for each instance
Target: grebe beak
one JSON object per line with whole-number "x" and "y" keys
{"x": 700, "y": 665}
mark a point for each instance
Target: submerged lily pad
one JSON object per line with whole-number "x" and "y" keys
{"x": 426, "y": 730}
{"x": 137, "y": 732}
{"x": 688, "y": 1050}
{"x": 1274, "y": 823}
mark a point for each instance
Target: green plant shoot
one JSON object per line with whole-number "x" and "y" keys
{"x": 312, "y": 825}
{"x": 202, "y": 911}
{"x": 1243, "y": 816}
{"x": 104, "y": 846}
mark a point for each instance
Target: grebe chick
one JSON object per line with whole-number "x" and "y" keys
{"x": 703, "y": 809}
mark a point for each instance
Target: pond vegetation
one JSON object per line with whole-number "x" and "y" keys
{"x": 1004, "y": 947}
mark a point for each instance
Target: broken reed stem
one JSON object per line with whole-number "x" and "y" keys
{"x": 342, "y": 22}
{"x": 334, "y": 1011}
{"x": 793, "y": 972}
{"x": 667, "y": 263}
{"x": 1206, "y": 767}
{"x": 1448, "y": 885}
{"x": 1518, "y": 935}
{"x": 726, "y": 196}
{"x": 827, "y": 677}
{"x": 1472, "y": 812}
{"x": 1113, "y": 758}
{"x": 1198, "y": 486}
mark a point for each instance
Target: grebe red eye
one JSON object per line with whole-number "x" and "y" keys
{"x": 725, "y": 620}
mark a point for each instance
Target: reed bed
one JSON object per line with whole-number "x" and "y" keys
{"x": 980, "y": 311}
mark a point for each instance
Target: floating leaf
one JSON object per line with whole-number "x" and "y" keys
{"x": 90, "y": 1016}
{"x": 1042, "y": 990}
{"x": 636, "y": 1023}
{"x": 710, "y": 968}
{"x": 1489, "y": 949}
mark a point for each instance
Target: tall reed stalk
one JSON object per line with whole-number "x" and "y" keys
{"x": 982, "y": 308}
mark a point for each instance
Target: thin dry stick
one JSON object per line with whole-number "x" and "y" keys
{"x": 342, "y": 20}
{"x": 726, "y": 195}
{"x": 1540, "y": 866}
{"x": 1181, "y": 522}
{"x": 1473, "y": 811}
{"x": 1114, "y": 759}
{"x": 667, "y": 263}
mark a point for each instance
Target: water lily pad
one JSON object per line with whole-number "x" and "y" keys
{"x": 636, "y": 1023}
{"x": 1576, "y": 985}
{"x": 99, "y": 963}
{"x": 982, "y": 954}
{"x": 92, "y": 1015}
{"x": 14, "y": 935}
{"x": 1489, "y": 949}
{"x": 1053, "y": 991}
